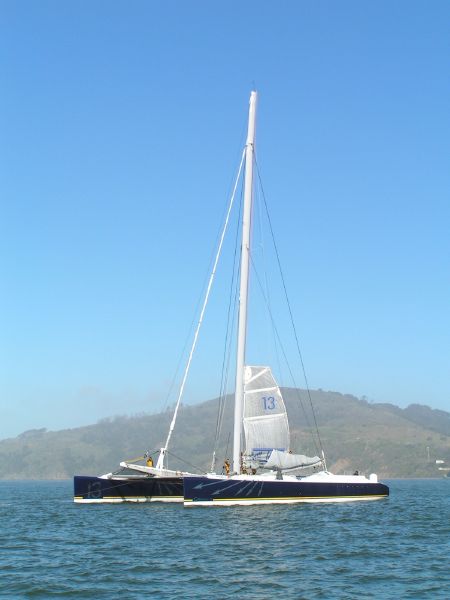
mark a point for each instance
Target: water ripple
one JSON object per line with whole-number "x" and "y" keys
{"x": 396, "y": 548}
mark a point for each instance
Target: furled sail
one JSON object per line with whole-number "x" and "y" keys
{"x": 286, "y": 461}
{"x": 265, "y": 420}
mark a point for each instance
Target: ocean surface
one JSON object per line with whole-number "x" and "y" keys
{"x": 394, "y": 548}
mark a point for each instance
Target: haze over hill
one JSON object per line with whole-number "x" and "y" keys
{"x": 355, "y": 434}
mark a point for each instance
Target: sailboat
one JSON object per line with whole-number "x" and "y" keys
{"x": 264, "y": 470}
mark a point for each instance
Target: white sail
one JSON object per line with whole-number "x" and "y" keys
{"x": 286, "y": 461}
{"x": 265, "y": 420}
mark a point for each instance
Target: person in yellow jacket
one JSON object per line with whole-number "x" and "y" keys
{"x": 149, "y": 461}
{"x": 226, "y": 464}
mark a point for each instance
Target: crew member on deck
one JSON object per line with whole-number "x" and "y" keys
{"x": 226, "y": 464}
{"x": 149, "y": 461}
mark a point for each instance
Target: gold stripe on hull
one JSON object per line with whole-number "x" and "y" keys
{"x": 292, "y": 500}
{"x": 119, "y": 499}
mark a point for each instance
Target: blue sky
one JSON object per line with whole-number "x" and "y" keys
{"x": 121, "y": 129}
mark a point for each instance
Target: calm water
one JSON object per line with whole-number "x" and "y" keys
{"x": 395, "y": 548}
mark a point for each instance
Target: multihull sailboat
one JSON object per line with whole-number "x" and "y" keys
{"x": 260, "y": 416}
{"x": 265, "y": 471}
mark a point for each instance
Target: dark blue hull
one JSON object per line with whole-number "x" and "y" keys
{"x": 211, "y": 491}
{"x": 133, "y": 489}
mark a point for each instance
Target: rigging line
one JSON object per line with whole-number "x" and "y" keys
{"x": 228, "y": 318}
{"x": 150, "y": 453}
{"x": 227, "y": 446}
{"x": 205, "y": 302}
{"x": 285, "y": 356}
{"x": 185, "y": 345}
{"x": 305, "y": 414}
{"x": 133, "y": 460}
{"x": 227, "y": 345}
{"x": 289, "y": 307}
{"x": 196, "y": 467}
{"x": 175, "y": 375}
{"x": 224, "y": 394}
{"x": 264, "y": 262}
{"x": 233, "y": 321}
{"x": 189, "y": 332}
{"x": 197, "y": 305}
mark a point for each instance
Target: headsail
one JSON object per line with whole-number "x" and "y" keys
{"x": 265, "y": 420}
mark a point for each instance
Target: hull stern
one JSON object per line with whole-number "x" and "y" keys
{"x": 98, "y": 490}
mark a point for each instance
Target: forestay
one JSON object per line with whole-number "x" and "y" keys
{"x": 265, "y": 420}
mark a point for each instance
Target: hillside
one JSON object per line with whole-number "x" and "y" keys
{"x": 382, "y": 438}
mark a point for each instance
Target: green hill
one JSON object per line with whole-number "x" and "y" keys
{"x": 380, "y": 438}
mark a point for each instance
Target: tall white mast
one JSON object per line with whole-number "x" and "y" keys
{"x": 243, "y": 291}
